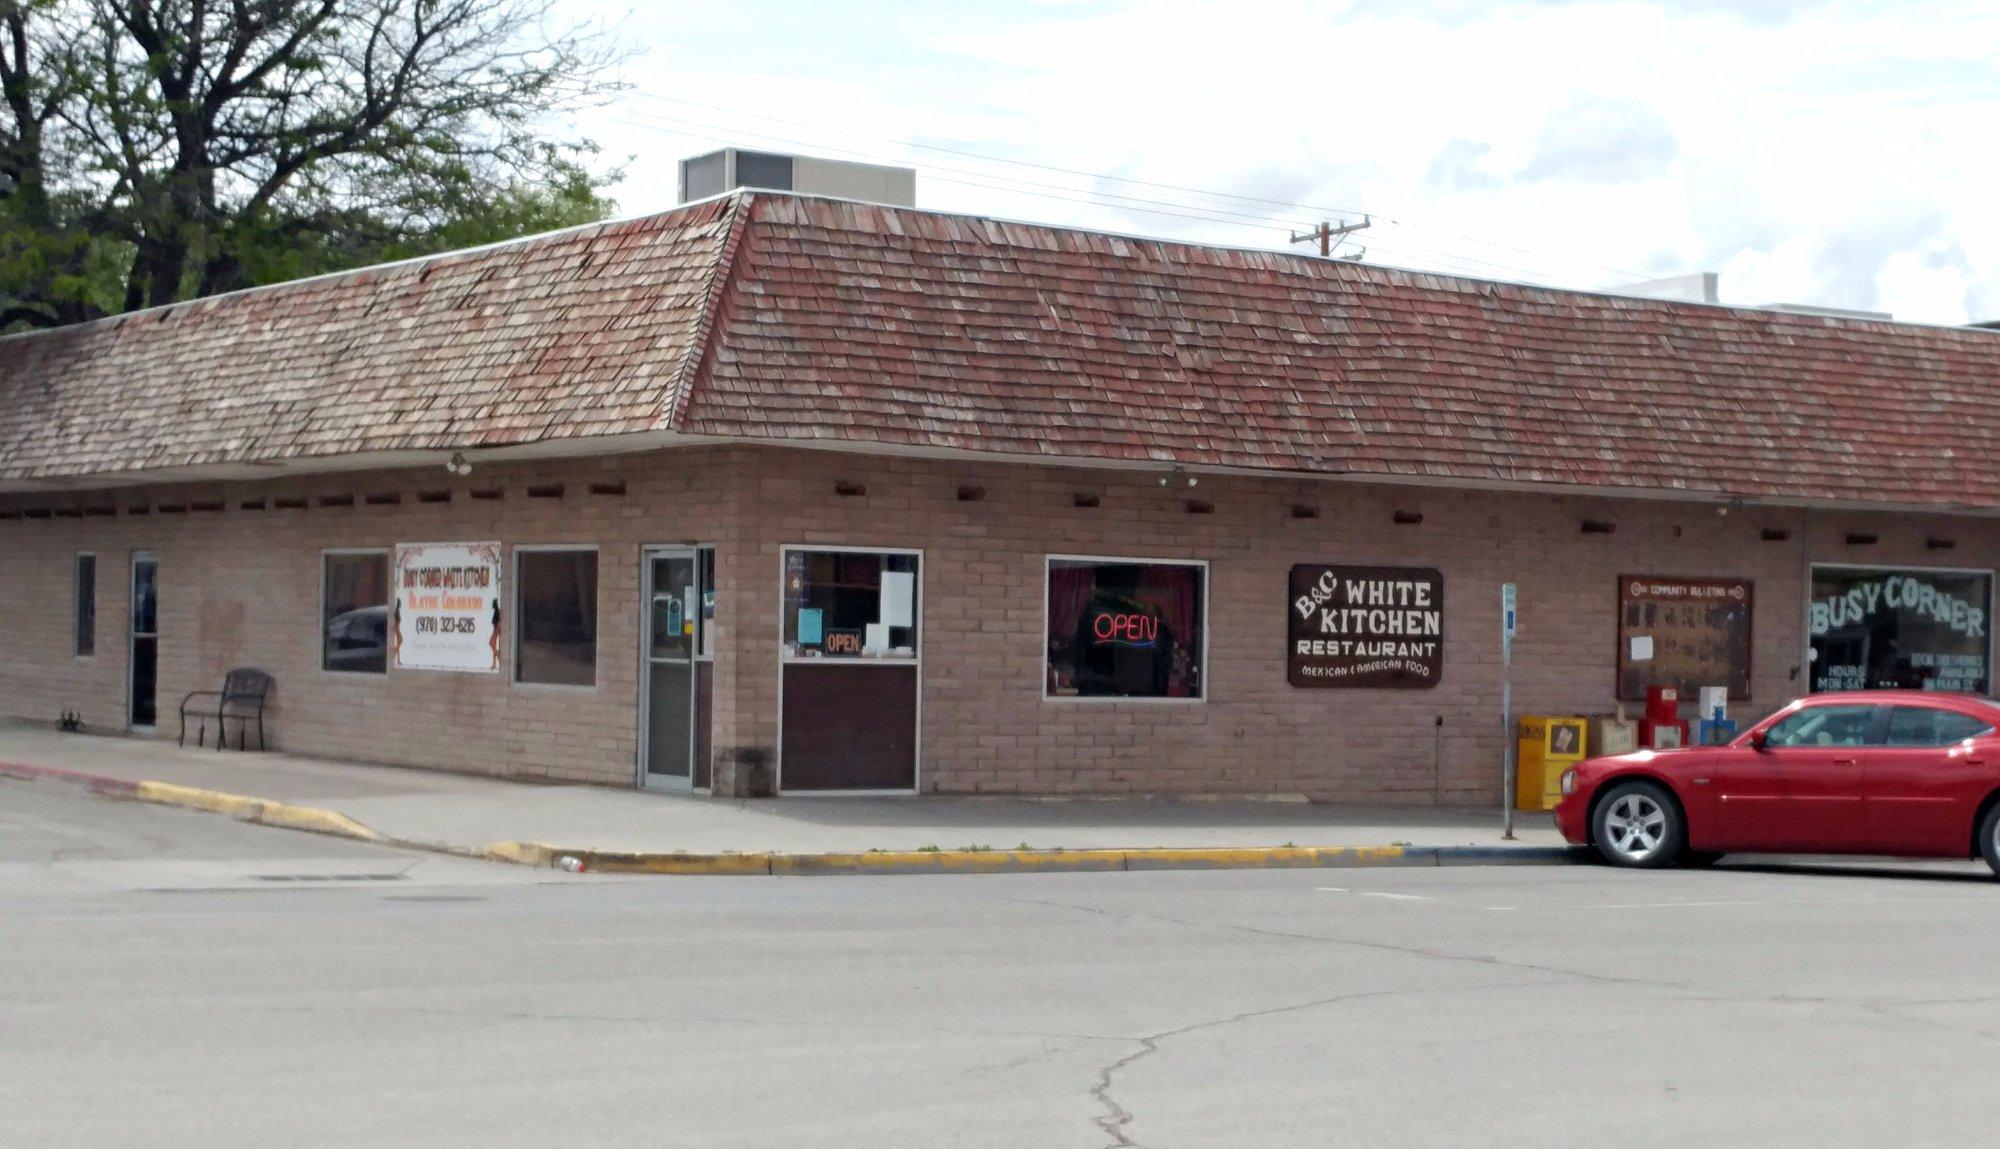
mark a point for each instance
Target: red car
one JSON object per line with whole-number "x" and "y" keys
{"x": 1901, "y": 772}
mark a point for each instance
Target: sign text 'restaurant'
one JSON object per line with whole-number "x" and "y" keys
{"x": 1365, "y": 627}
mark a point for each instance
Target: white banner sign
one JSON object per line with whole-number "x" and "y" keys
{"x": 447, "y": 613}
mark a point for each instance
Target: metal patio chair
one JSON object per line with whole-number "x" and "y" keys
{"x": 242, "y": 697}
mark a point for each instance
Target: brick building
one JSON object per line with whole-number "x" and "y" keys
{"x": 866, "y": 498}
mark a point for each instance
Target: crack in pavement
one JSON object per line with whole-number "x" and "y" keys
{"x": 1117, "y": 1116}
{"x": 1049, "y": 1047}
{"x": 1691, "y": 991}
{"x": 1699, "y": 992}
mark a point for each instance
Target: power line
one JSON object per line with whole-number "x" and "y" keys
{"x": 1003, "y": 160}
{"x": 1290, "y": 206}
{"x": 1418, "y": 253}
{"x": 1170, "y": 209}
{"x": 1419, "y": 257}
{"x": 721, "y": 134}
{"x": 1326, "y": 233}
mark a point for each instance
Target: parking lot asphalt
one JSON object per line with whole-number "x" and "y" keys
{"x": 183, "y": 979}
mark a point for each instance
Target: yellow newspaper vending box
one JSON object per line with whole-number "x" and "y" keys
{"x": 1547, "y": 746}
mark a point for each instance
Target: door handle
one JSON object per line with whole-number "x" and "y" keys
{"x": 1843, "y": 761}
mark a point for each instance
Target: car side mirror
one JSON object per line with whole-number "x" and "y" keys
{"x": 1757, "y": 740}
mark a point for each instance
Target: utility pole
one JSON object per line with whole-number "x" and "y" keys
{"x": 1327, "y": 232}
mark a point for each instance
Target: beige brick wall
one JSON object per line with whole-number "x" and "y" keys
{"x": 242, "y": 587}
{"x": 988, "y": 729}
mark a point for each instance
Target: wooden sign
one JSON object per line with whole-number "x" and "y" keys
{"x": 1365, "y": 627}
{"x": 1685, "y": 633}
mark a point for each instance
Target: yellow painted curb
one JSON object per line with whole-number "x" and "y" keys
{"x": 950, "y": 862}
{"x": 1262, "y": 857}
{"x": 258, "y": 810}
{"x": 519, "y": 853}
{"x": 612, "y": 862}
{"x": 968, "y": 861}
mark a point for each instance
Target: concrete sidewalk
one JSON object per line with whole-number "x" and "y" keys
{"x": 620, "y": 829}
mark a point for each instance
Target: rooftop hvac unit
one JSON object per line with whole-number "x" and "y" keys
{"x": 731, "y": 168}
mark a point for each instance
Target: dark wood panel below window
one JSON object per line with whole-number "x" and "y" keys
{"x": 850, "y": 727}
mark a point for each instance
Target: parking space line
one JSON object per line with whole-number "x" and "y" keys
{"x": 1374, "y": 894}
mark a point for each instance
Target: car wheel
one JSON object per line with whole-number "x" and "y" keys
{"x": 1637, "y": 824}
{"x": 1989, "y": 838}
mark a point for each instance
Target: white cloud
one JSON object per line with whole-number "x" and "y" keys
{"x": 1603, "y": 141}
{"x": 1819, "y": 152}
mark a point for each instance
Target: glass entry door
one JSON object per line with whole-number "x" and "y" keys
{"x": 678, "y": 666}
{"x": 144, "y": 712}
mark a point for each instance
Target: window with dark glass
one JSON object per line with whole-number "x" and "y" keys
{"x": 354, "y": 634}
{"x": 86, "y": 605}
{"x": 850, "y": 604}
{"x": 1925, "y": 726}
{"x": 556, "y": 637}
{"x": 1124, "y": 629}
{"x": 1823, "y": 726}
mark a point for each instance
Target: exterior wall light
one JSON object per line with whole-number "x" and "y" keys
{"x": 1178, "y": 477}
{"x": 458, "y": 464}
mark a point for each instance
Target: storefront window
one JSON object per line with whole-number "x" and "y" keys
{"x": 850, "y": 604}
{"x": 354, "y": 597}
{"x": 1874, "y": 628}
{"x": 1125, "y": 629}
{"x": 556, "y": 636}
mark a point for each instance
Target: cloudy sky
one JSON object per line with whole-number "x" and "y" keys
{"x": 1836, "y": 153}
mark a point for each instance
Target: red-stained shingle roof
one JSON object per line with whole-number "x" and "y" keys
{"x": 779, "y": 318}
{"x": 917, "y": 329}
{"x": 580, "y": 333}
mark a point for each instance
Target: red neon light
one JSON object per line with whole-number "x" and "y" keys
{"x": 1137, "y": 629}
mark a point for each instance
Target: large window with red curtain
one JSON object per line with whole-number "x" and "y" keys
{"x": 1125, "y": 629}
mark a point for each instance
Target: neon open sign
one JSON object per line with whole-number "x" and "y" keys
{"x": 1130, "y": 629}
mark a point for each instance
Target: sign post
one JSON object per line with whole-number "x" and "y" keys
{"x": 1507, "y": 763}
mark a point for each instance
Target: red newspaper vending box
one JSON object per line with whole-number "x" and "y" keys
{"x": 1661, "y": 728}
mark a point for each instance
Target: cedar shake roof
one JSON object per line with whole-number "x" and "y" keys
{"x": 581, "y": 333}
{"x": 786, "y": 319}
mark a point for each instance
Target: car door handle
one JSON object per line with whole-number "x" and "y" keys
{"x": 1843, "y": 761}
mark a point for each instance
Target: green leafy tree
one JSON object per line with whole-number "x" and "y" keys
{"x": 158, "y": 150}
